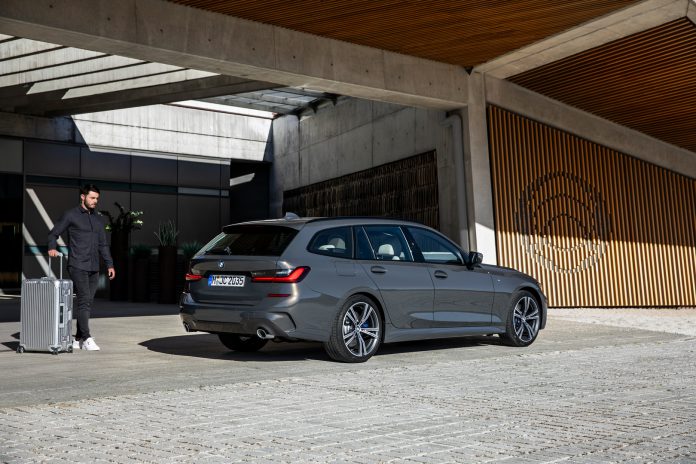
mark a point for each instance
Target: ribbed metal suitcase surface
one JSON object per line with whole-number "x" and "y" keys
{"x": 46, "y": 315}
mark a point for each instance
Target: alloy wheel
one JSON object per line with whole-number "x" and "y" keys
{"x": 361, "y": 329}
{"x": 525, "y": 319}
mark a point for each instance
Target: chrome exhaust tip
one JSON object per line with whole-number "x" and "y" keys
{"x": 261, "y": 333}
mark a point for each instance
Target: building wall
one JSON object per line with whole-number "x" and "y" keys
{"x": 355, "y": 135}
{"x": 170, "y": 162}
{"x": 192, "y": 194}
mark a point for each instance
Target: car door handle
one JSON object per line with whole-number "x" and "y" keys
{"x": 378, "y": 270}
{"x": 440, "y": 274}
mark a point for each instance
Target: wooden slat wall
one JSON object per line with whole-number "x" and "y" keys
{"x": 596, "y": 227}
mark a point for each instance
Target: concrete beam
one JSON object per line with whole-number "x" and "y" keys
{"x": 25, "y": 126}
{"x": 622, "y": 23}
{"x": 49, "y": 104}
{"x": 160, "y": 31}
{"x": 588, "y": 126}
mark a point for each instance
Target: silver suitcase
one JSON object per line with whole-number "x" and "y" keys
{"x": 46, "y": 314}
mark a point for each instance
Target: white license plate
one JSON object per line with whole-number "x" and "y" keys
{"x": 226, "y": 281}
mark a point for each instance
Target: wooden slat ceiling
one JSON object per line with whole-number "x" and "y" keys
{"x": 646, "y": 81}
{"x": 465, "y": 33}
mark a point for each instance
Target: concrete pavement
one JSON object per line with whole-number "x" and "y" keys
{"x": 583, "y": 392}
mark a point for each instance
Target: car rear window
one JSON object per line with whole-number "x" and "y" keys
{"x": 252, "y": 240}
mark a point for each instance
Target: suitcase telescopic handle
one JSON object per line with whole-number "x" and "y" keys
{"x": 50, "y": 270}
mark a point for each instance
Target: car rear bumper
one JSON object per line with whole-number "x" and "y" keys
{"x": 285, "y": 320}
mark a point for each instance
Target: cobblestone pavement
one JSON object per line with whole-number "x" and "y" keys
{"x": 629, "y": 402}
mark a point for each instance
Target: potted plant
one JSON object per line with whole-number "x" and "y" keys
{"x": 120, "y": 228}
{"x": 166, "y": 234}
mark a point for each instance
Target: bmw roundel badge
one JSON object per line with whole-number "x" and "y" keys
{"x": 221, "y": 264}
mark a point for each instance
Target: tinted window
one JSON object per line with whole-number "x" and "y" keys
{"x": 388, "y": 243}
{"x": 333, "y": 242}
{"x": 434, "y": 248}
{"x": 252, "y": 240}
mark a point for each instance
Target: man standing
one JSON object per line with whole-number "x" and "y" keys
{"x": 86, "y": 241}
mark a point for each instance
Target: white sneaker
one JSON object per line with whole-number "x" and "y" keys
{"x": 90, "y": 345}
{"x": 76, "y": 344}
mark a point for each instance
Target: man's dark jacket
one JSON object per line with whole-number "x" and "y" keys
{"x": 86, "y": 239}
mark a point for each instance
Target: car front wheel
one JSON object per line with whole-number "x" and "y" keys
{"x": 357, "y": 331}
{"x": 523, "y": 321}
{"x": 238, "y": 342}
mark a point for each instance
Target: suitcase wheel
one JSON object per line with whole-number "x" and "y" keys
{"x": 20, "y": 349}
{"x": 70, "y": 349}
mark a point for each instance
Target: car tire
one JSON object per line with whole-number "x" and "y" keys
{"x": 239, "y": 342}
{"x": 523, "y": 320}
{"x": 356, "y": 332}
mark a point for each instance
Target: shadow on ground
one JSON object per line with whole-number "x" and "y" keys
{"x": 13, "y": 345}
{"x": 208, "y": 346}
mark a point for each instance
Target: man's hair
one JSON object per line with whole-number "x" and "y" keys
{"x": 85, "y": 189}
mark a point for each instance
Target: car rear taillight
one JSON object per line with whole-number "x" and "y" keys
{"x": 283, "y": 276}
{"x": 193, "y": 277}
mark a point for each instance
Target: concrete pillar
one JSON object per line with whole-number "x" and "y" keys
{"x": 477, "y": 168}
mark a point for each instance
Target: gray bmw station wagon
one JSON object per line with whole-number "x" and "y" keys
{"x": 352, "y": 283}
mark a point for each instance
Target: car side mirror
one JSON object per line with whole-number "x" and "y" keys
{"x": 474, "y": 259}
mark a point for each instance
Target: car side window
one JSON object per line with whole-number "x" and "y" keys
{"x": 388, "y": 243}
{"x": 333, "y": 242}
{"x": 434, "y": 248}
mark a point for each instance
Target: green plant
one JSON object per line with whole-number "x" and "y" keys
{"x": 166, "y": 233}
{"x": 190, "y": 249}
{"x": 125, "y": 221}
{"x": 140, "y": 250}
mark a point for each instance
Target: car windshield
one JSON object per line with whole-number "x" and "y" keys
{"x": 252, "y": 240}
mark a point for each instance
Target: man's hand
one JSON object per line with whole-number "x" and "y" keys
{"x": 53, "y": 253}
{"x": 112, "y": 273}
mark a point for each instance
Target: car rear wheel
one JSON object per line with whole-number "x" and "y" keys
{"x": 357, "y": 331}
{"x": 239, "y": 342}
{"x": 523, "y": 322}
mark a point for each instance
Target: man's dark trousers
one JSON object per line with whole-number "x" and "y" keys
{"x": 85, "y": 286}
